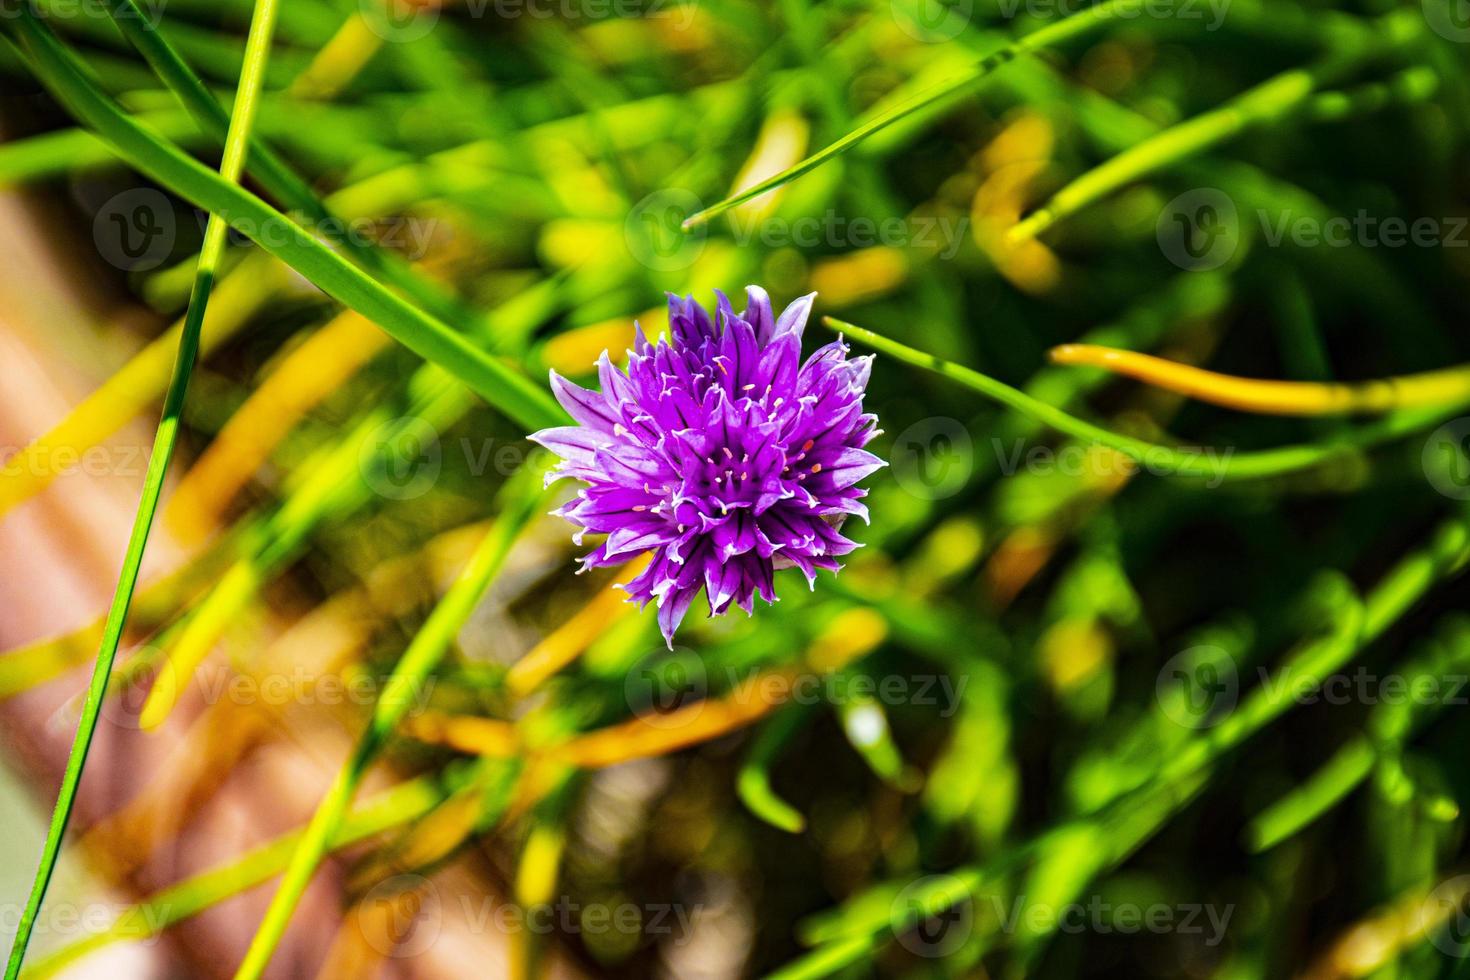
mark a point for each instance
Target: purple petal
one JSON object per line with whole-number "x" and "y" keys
{"x": 793, "y": 318}
{"x": 588, "y": 407}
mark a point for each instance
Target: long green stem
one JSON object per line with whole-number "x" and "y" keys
{"x": 423, "y": 653}
{"x": 1215, "y": 466}
{"x": 257, "y": 52}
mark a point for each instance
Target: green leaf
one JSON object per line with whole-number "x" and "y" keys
{"x": 1077, "y": 25}
{"x": 274, "y": 174}
{"x": 521, "y": 495}
{"x": 503, "y": 387}
{"x": 257, "y": 51}
{"x": 1212, "y": 467}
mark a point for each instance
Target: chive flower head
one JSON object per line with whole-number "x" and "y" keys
{"x": 720, "y": 452}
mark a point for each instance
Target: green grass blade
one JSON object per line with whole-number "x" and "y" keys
{"x": 753, "y": 784}
{"x": 257, "y": 51}
{"x": 1388, "y": 728}
{"x": 1269, "y": 100}
{"x": 1158, "y": 458}
{"x": 1180, "y": 774}
{"x": 331, "y": 483}
{"x": 274, "y": 174}
{"x": 521, "y": 498}
{"x": 503, "y": 387}
{"x": 1075, "y": 26}
{"x": 391, "y": 808}
{"x": 1281, "y": 96}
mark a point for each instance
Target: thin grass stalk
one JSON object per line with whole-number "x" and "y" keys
{"x": 1179, "y": 776}
{"x": 1279, "y": 97}
{"x": 1077, "y": 25}
{"x": 500, "y": 385}
{"x": 1446, "y": 386}
{"x": 257, "y": 53}
{"x": 1162, "y": 459}
{"x": 401, "y": 804}
{"x": 423, "y": 654}
{"x": 274, "y": 174}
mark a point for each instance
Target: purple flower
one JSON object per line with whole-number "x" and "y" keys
{"x": 721, "y": 453}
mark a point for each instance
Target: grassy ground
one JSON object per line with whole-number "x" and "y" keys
{"x": 1143, "y": 677}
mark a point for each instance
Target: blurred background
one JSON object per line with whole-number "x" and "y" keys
{"x": 1064, "y": 714}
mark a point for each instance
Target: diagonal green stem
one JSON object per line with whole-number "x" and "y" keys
{"x": 1182, "y": 773}
{"x": 1279, "y": 97}
{"x": 1215, "y": 466}
{"x": 274, "y": 174}
{"x": 1077, "y": 25}
{"x": 500, "y": 385}
{"x": 423, "y": 654}
{"x": 403, "y": 803}
{"x": 257, "y": 51}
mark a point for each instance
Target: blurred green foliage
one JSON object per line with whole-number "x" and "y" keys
{"x": 1072, "y": 717}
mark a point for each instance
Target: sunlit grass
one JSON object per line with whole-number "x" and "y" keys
{"x": 1077, "y": 513}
